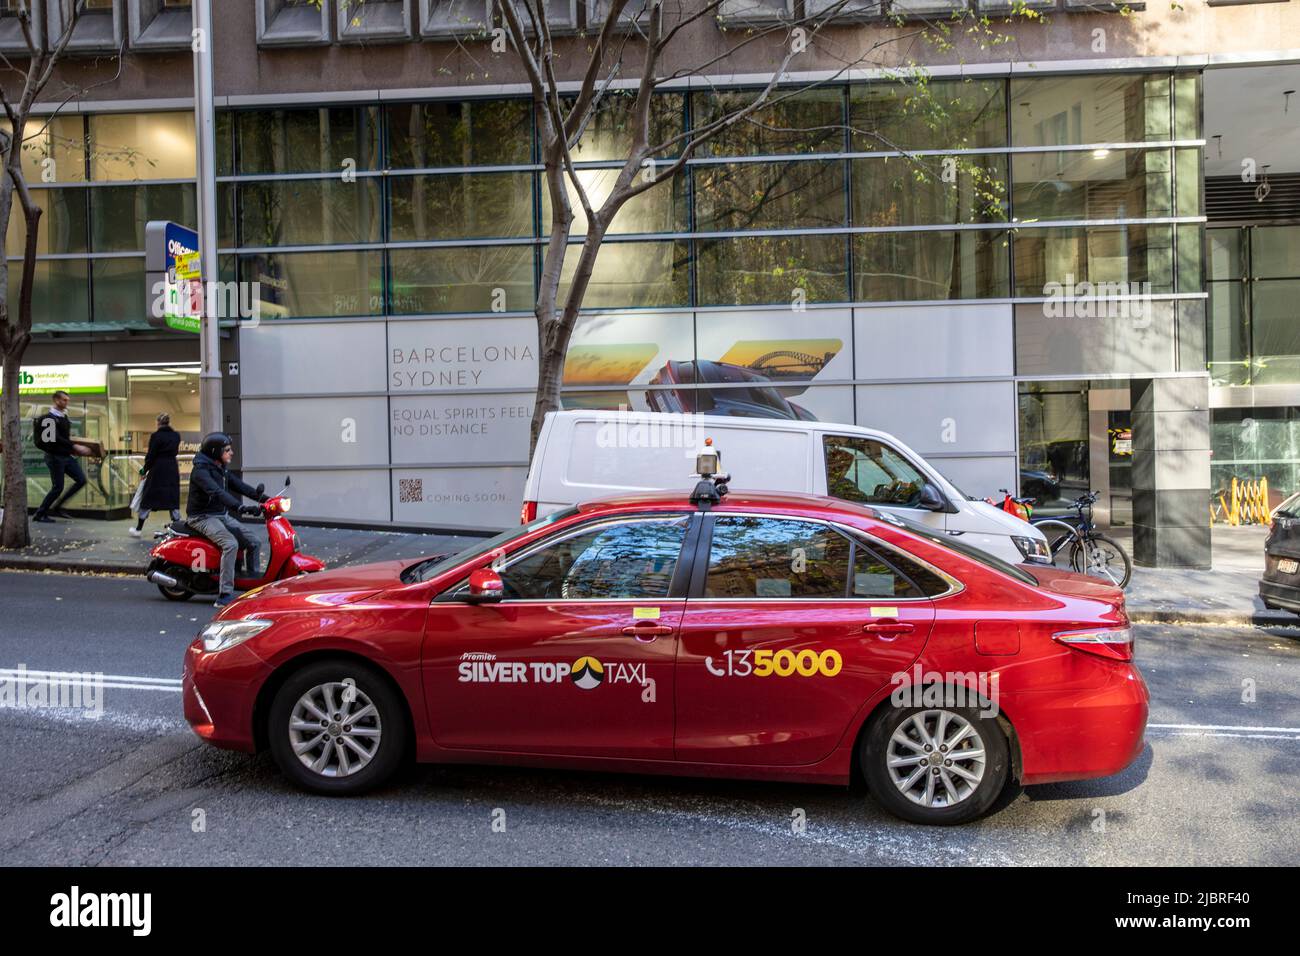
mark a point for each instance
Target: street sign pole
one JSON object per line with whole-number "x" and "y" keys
{"x": 210, "y": 410}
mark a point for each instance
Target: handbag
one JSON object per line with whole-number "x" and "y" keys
{"x": 138, "y": 497}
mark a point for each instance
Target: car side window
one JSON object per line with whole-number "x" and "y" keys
{"x": 869, "y": 472}
{"x": 629, "y": 559}
{"x": 873, "y": 577}
{"x": 755, "y": 557}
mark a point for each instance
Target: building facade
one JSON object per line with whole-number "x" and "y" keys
{"x": 1051, "y": 272}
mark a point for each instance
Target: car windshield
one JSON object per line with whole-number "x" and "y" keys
{"x": 965, "y": 550}
{"x": 430, "y": 568}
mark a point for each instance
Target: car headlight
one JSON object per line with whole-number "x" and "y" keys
{"x": 1033, "y": 549}
{"x": 220, "y": 635}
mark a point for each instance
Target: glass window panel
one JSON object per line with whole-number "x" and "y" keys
{"x": 867, "y": 472}
{"x": 1228, "y": 337}
{"x": 1190, "y": 244}
{"x": 772, "y": 270}
{"x": 1275, "y": 331}
{"x": 226, "y": 215}
{"x": 1188, "y": 176}
{"x": 1275, "y": 252}
{"x": 661, "y": 208}
{"x": 1101, "y": 255}
{"x": 468, "y": 279}
{"x": 118, "y": 214}
{"x": 908, "y": 266}
{"x": 776, "y": 558}
{"x": 633, "y": 275}
{"x": 225, "y": 135}
{"x": 454, "y": 206}
{"x": 61, "y": 139}
{"x": 608, "y": 134}
{"x": 308, "y": 140}
{"x": 792, "y": 195}
{"x": 142, "y": 146}
{"x": 1187, "y": 106}
{"x": 808, "y": 121}
{"x": 634, "y": 560}
{"x": 119, "y": 294}
{"x": 927, "y": 114}
{"x": 1102, "y": 108}
{"x": 1100, "y": 184}
{"x": 1225, "y": 253}
{"x": 901, "y": 191}
{"x": 309, "y": 212}
{"x": 63, "y": 223}
{"x": 873, "y": 578}
{"x": 61, "y": 297}
{"x": 459, "y": 133}
{"x": 313, "y": 284}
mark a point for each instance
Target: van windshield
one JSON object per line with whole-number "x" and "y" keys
{"x": 430, "y": 568}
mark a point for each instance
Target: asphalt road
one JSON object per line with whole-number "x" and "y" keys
{"x": 1216, "y": 784}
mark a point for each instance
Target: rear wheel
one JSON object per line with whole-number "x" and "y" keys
{"x": 176, "y": 593}
{"x": 337, "y": 727}
{"x": 935, "y": 765}
{"x": 1100, "y": 557}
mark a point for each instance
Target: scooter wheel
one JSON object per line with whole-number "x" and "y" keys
{"x": 175, "y": 594}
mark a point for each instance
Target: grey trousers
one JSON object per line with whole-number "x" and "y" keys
{"x": 228, "y": 535}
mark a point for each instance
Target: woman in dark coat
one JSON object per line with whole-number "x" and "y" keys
{"x": 162, "y": 488}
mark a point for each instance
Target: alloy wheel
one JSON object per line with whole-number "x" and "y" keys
{"x": 334, "y": 729}
{"x": 936, "y": 758}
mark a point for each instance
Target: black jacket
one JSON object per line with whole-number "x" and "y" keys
{"x": 211, "y": 486}
{"x": 62, "y": 443}
{"x": 162, "y": 492}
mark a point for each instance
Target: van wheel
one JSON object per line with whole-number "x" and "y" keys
{"x": 935, "y": 765}
{"x": 337, "y": 727}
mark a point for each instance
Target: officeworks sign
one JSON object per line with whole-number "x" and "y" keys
{"x": 174, "y": 284}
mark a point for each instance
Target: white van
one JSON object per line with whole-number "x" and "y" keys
{"x": 590, "y": 454}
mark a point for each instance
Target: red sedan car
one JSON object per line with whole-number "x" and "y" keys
{"x": 769, "y": 636}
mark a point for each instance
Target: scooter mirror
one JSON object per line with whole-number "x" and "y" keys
{"x": 286, "y": 481}
{"x": 261, "y": 488}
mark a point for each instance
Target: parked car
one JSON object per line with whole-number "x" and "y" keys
{"x": 584, "y": 454}
{"x": 764, "y": 636}
{"x": 1280, "y": 586}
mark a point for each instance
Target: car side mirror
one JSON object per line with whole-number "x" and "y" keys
{"x": 932, "y": 499}
{"x": 485, "y": 587}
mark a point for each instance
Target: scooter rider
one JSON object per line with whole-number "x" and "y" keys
{"x": 214, "y": 491}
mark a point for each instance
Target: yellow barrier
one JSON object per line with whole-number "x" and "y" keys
{"x": 1246, "y": 502}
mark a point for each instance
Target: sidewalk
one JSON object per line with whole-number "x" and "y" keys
{"x": 1227, "y": 595}
{"x": 87, "y": 545}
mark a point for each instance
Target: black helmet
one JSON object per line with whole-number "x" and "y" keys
{"x": 214, "y": 445}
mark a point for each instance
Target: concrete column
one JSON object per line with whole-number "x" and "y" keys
{"x": 1171, "y": 472}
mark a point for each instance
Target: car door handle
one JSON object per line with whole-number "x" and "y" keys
{"x": 647, "y": 632}
{"x": 890, "y": 628}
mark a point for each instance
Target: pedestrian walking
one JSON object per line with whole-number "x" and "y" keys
{"x": 162, "y": 475}
{"x": 52, "y": 434}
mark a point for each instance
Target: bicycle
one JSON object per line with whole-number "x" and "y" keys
{"x": 1076, "y": 543}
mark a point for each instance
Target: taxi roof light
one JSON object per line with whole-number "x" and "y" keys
{"x": 713, "y": 483}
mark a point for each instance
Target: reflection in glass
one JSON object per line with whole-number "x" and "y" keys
{"x": 661, "y": 208}
{"x": 61, "y": 296}
{"x": 927, "y": 114}
{"x": 314, "y": 284}
{"x": 634, "y": 560}
{"x": 118, "y": 214}
{"x": 776, "y": 558}
{"x": 1101, "y": 108}
{"x": 309, "y": 212}
{"x": 469, "y": 279}
{"x": 1275, "y": 331}
{"x": 1097, "y": 184}
{"x": 907, "y": 266}
{"x": 930, "y": 190}
{"x": 119, "y": 294}
{"x": 772, "y": 269}
{"x": 1109, "y": 255}
{"x": 788, "y": 195}
{"x": 308, "y": 140}
{"x": 63, "y": 223}
{"x": 807, "y": 121}
{"x": 142, "y": 145}
{"x": 56, "y": 146}
{"x": 469, "y": 206}
{"x": 608, "y": 134}
{"x": 1228, "y": 337}
{"x": 633, "y": 275}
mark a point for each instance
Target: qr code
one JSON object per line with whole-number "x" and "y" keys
{"x": 410, "y": 490}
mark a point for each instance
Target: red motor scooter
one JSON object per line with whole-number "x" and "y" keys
{"x": 185, "y": 563}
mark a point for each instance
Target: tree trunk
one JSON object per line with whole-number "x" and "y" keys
{"x": 15, "y": 532}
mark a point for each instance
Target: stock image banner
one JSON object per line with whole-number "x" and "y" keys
{"x": 649, "y": 434}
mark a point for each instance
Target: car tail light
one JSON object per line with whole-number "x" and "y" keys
{"x": 528, "y": 512}
{"x": 1112, "y": 643}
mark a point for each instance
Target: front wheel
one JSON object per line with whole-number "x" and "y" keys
{"x": 1099, "y": 557}
{"x": 935, "y": 765}
{"x": 337, "y": 727}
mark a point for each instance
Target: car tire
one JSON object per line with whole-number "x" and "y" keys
{"x": 895, "y": 734}
{"x": 318, "y": 748}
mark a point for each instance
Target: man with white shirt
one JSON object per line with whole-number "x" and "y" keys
{"x": 52, "y": 433}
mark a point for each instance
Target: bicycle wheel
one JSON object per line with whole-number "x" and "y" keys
{"x": 1059, "y": 536}
{"x": 1099, "y": 557}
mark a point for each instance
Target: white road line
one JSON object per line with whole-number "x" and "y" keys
{"x": 35, "y": 675}
{"x": 1232, "y": 727}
